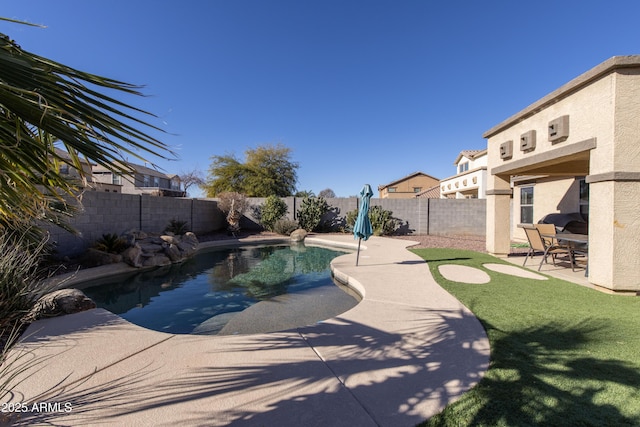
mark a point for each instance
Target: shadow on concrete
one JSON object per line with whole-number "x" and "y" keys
{"x": 395, "y": 378}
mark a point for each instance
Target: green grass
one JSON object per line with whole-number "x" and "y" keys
{"x": 561, "y": 354}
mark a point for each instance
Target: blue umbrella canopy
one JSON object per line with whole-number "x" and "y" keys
{"x": 362, "y": 228}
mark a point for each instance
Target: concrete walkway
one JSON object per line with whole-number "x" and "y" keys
{"x": 403, "y": 353}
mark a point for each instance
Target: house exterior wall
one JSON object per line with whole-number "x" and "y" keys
{"x": 603, "y": 143}
{"x": 469, "y": 184}
{"x": 405, "y": 188}
{"x": 550, "y": 195}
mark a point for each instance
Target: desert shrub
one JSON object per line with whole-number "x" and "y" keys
{"x": 273, "y": 209}
{"x": 350, "y": 220}
{"x": 111, "y": 242}
{"x": 285, "y": 226}
{"x": 382, "y": 221}
{"x": 233, "y": 205}
{"x": 177, "y": 227}
{"x": 311, "y": 211}
{"x": 20, "y": 282}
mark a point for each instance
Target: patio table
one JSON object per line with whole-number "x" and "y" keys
{"x": 577, "y": 243}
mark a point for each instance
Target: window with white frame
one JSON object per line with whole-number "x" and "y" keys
{"x": 526, "y": 205}
{"x": 146, "y": 181}
{"x": 116, "y": 179}
{"x": 463, "y": 167}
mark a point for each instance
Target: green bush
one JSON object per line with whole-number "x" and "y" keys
{"x": 285, "y": 226}
{"x": 177, "y": 227}
{"x": 111, "y": 243}
{"x": 382, "y": 221}
{"x": 311, "y": 211}
{"x": 272, "y": 210}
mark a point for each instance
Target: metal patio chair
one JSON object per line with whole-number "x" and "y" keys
{"x": 538, "y": 244}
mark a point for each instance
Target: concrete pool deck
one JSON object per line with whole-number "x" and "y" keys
{"x": 401, "y": 355}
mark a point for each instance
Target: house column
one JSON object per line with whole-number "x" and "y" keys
{"x": 614, "y": 231}
{"x": 498, "y": 214}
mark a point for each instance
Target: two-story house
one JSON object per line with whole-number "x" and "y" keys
{"x": 470, "y": 181}
{"x": 407, "y": 187}
{"x": 144, "y": 180}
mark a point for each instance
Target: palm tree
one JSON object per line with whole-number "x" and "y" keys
{"x": 44, "y": 104}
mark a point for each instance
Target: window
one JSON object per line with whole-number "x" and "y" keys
{"x": 156, "y": 181}
{"x": 146, "y": 182}
{"x": 392, "y": 189}
{"x": 463, "y": 167}
{"x": 417, "y": 189}
{"x": 64, "y": 169}
{"x": 526, "y": 205}
{"x": 116, "y": 179}
{"x": 584, "y": 198}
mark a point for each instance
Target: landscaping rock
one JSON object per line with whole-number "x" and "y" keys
{"x": 157, "y": 260}
{"x": 58, "y": 303}
{"x": 298, "y": 235}
{"x": 133, "y": 255}
{"x": 173, "y": 252}
{"x": 152, "y": 250}
{"x": 95, "y": 258}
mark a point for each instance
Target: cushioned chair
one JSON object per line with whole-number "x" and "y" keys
{"x": 538, "y": 244}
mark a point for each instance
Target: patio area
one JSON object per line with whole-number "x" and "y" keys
{"x": 562, "y": 269}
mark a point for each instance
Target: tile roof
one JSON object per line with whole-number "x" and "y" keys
{"x": 430, "y": 193}
{"x": 470, "y": 154}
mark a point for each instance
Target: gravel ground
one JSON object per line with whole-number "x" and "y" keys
{"x": 456, "y": 242}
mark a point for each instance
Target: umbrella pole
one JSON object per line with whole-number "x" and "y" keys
{"x": 358, "y": 254}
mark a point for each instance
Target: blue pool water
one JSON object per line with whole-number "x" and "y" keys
{"x": 206, "y": 292}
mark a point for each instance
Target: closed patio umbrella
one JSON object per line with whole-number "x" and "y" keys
{"x": 362, "y": 228}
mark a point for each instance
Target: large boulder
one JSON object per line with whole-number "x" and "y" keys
{"x": 95, "y": 258}
{"x": 298, "y": 235}
{"x": 59, "y": 303}
{"x": 133, "y": 256}
{"x": 152, "y": 250}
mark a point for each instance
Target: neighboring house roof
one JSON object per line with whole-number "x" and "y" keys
{"x": 143, "y": 170}
{"x": 470, "y": 154}
{"x": 380, "y": 187}
{"x": 430, "y": 193}
{"x": 65, "y": 155}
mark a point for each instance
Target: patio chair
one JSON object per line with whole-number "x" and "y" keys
{"x": 548, "y": 229}
{"x": 538, "y": 244}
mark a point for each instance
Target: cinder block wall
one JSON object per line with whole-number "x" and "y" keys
{"x": 103, "y": 213}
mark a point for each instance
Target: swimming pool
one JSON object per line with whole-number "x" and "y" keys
{"x": 231, "y": 290}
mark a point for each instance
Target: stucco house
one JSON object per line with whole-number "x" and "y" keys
{"x": 470, "y": 179}
{"x": 575, "y": 150}
{"x": 144, "y": 180}
{"x": 407, "y": 187}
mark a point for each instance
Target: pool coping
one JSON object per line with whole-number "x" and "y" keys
{"x": 397, "y": 358}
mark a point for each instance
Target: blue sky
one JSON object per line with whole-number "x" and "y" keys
{"x": 361, "y": 91}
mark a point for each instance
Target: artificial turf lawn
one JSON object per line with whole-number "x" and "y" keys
{"x": 561, "y": 354}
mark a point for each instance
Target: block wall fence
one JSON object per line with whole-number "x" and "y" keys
{"x": 102, "y": 213}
